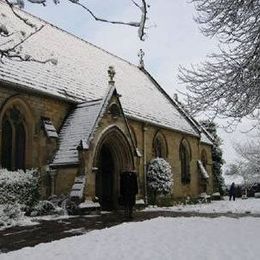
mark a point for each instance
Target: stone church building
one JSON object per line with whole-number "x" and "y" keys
{"x": 84, "y": 120}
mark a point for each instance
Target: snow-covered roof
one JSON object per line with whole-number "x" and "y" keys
{"x": 78, "y": 126}
{"x": 81, "y": 75}
{"x": 78, "y": 129}
{"x": 204, "y": 138}
{"x": 49, "y": 128}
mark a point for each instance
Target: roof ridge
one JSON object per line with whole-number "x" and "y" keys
{"x": 70, "y": 34}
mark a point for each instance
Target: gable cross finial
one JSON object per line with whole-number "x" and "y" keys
{"x": 111, "y": 73}
{"x": 141, "y": 56}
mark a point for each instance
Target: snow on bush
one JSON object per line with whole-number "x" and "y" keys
{"x": 159, "y": 177}
{"x": 19, "y": 187}
{"x": 10, "y": 214}
{"x": 45, "y": 207}
{"x": 18, "y": 194}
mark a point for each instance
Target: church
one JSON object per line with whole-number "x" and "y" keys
{"x": 90, "y": 116}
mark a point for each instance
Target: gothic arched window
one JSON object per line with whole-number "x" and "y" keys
{"x": 160, "y": 146}
{"x": 185, "y": 162}
{"x": 13, "y": 140}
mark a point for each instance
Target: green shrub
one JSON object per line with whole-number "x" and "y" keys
{"x": 19, "y": 187}
{"x": 164, "y": 201}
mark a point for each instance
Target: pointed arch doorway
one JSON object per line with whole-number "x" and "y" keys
{"x": 113, "y": 155}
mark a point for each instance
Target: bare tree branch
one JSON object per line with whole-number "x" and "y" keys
{"x": 140, "y": 25}
{"x": 227, "y": 84}
{"x": 26, "y": 21}
{"x": 14, "y": 53}
{"x": 249, "y": 164}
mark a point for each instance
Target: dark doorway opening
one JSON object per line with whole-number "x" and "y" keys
{"x": 105, "y": 179}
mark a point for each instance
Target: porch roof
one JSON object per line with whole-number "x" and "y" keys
{"x": 77, "y": 127}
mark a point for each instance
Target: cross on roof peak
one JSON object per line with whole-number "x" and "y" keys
{"x": 111, "y": 73}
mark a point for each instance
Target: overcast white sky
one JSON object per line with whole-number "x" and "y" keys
{"x": 174, "y": 40}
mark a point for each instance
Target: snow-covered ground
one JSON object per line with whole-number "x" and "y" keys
{"x": 250, "y": 205}
{"x": 163, "y": 238}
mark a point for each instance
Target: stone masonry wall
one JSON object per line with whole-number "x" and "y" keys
{"x": 40, "y": 148}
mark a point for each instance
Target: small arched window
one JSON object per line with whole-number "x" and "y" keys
{"x": 13, "y": 140}
{"x": 185, "y": 157}
{"x": 160, "y": 146}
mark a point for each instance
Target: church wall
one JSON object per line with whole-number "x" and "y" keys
{"x": 64, "y": 180}
{"x": 107, "y": 122}
{"x": 146, "y": 133}
{"x": 208, "y": 150}
{"x": 40, "y": 148}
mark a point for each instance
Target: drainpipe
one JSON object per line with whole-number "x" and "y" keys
{"x": 144, "y": 163}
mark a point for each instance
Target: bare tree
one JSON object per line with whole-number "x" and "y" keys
{"x": 11, "y": 48}
{"x": 250, "y": 154}
{"x": 249, "y": 164}
{"x": 228, "y": 82}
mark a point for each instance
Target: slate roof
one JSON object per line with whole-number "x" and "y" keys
{"x": 205, "y": 139}
{"x": 81, "y": 75}
{"x": 77, "y": 127}
{"x": 49, "y": 128}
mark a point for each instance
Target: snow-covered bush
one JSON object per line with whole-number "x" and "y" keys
{"x": 159, "y": 177}
{"x": 64, "y": 204}
{"x": 45, "y": 207}
{"x": 19, "y": 187}
{"x": 10, "y": 214}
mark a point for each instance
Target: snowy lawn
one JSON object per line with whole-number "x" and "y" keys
{"x": 251, "y": 205}
{"x": 164, "y": 238}
{"x": 161, "y": 238}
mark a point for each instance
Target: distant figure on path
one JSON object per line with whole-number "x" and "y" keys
{"x": 232, "y": 191}
{"x": 128, "y": 191}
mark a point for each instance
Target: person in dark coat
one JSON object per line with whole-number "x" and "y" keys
{"x": 128, "y": 191}
{"x": 232, "y": 191}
